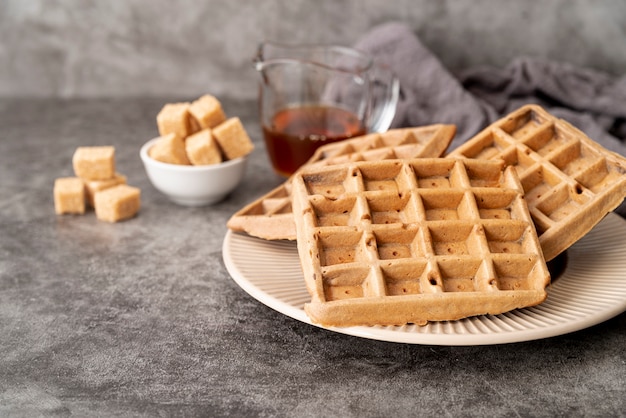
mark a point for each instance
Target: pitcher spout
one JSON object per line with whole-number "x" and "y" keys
{"x": 258, "y": 62}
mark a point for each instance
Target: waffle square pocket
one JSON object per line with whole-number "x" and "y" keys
{"x": 415, "y": 240}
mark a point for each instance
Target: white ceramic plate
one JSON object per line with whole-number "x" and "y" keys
{"x": 591, "y": 290}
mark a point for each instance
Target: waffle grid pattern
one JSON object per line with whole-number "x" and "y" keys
{"x": 427, "y": 141}
{"x": 569, "y": 181}
{"x": 410, "y": 241}
{"x": 271, "y": 216}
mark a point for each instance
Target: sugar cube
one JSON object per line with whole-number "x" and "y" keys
{"x": 94, "y": 163}
{"x": 233, "y": 138}
{"x": 207, "y": 111}
{"x": 69, "y": 195}
{"x": 169, "y": 149}
{"x": 94, "y": 186}
{"x": 174, "y": 118}
{"x": 202, "y": 149}
{"x": 117, "y": 203}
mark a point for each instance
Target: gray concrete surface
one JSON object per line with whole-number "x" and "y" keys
{"x": 77, "y": 48}
{"x": 141, "y": 319}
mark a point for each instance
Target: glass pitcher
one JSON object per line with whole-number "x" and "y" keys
{"x": 311, "y": 95}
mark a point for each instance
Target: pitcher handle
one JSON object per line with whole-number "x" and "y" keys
{"x": 385, "y": 94}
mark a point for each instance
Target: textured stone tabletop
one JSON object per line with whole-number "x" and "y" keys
{"x": 141, "y": 318}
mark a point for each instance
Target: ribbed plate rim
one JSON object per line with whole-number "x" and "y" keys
{"x": 591, "y": 290}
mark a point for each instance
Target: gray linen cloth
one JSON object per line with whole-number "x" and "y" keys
{"x": 593, "y": 101}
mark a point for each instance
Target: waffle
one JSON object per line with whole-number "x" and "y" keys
{"x": 570, "y": 182}
{"x": 410, "y": 241}
{"x": 271, "y": 217}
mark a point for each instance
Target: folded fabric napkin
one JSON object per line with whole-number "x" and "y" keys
{"x": 593, "y": 101}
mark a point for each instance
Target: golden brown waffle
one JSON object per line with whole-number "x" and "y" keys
{"x": 270, "y": 217}
{"x": 410, "y": 241}
{"x": 570, "y": 182}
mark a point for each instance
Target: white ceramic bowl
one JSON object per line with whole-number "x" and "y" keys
{"x": 193, "y": 185}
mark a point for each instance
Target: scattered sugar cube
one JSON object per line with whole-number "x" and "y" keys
{"x": 94, "y": 186}
{"x": 69, "y": 195}
{"x": 169, "y": 149}
{"x": 202, "y": 149}
{"x": 233, "y": 138}
{"x": 207, "y": 111}
{"x": 117, "y": 203}
{"x": 94, "y": 163}
{"x": 174, "y": 118}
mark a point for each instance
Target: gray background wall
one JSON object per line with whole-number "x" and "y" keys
{"x": 89, "y": 48}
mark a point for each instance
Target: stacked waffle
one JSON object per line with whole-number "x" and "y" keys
{"x": 570, "y": 182}
{"x": 271, "y": 217}
{"x": 392, "y": 237}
